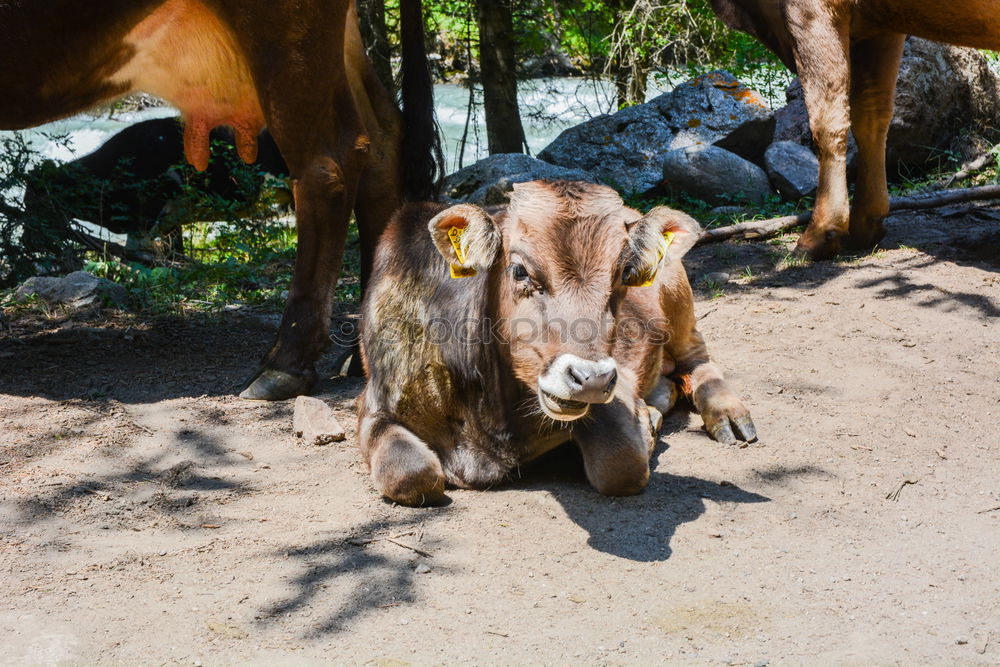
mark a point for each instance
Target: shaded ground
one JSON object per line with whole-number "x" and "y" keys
{"x": 147, "y": 515}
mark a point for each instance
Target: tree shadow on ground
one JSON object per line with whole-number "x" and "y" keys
{"x": 132, "y": 489}
{"x": 965, "y": 239}
{"x": 104, "y": 356}
{"x": 638, "y": 528}
{"x": 364, "y": 549}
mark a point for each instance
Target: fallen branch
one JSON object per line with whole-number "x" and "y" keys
{"x": 756, "y": 229}
{"x": 971, "y": 168}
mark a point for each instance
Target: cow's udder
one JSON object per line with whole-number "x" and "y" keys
{"x": 184, "y": 54}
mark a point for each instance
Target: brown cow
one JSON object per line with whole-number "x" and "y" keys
{"x": 488, "y": 337}
{"x": 847, "y": 53}
{"x": 296, "y": 66}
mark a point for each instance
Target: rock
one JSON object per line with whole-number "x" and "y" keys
{"x": 626, "y": 149}
{"x": 314, "y": 422}
{"x": 726, "y": 210}
{"x": 942, "y": 92}
{"x": 422, "y": 568}
{"x": 717, "y": 278}
{"x": 717, "y": 108}
{"x": 751, "y": 139}
{"x": 489, "y": 181}
{"x": 793, "y": 169}
{"x": 791, "y": 122}
{"x": 714, "y": 175}
{"x": 76, "y": 290}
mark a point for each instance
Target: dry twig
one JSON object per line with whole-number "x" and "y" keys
{"x": 756, "y": 229}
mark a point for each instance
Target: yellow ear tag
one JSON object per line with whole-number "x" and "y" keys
{"x": 661, "y": 252}
{"x": 458, "y": 271}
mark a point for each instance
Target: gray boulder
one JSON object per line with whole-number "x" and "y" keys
{"x": 942, "y": 92}
{"x": 714, "y": 175}
{"x": 489, "y": 181}
{"x": 716, "y": 108}
{"x": 627, "y": 149}
{"x": 793, "y": 169}
{"x": 76, "y": 290}
{"x": 624, "y": 150}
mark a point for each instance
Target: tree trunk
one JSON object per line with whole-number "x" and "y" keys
{"x": 496, "y": 59}
{"x": 630, "y": 63}
{"x": 371, "y": 14}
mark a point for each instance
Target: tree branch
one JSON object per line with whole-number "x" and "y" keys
{"x": 756, "y": 229}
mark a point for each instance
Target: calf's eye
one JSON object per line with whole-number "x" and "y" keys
{"x": 519, "y": 272}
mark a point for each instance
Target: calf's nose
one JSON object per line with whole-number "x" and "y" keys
{"x": 591, "y": 381}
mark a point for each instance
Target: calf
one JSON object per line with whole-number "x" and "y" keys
{"x": 490, "y": 337}
{"x": 296, "y": 66}
{"x": 847, "y": 53}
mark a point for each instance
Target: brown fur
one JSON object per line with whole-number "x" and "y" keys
{"x": 298, "y": 67}
{"x": 847, "y": 53}
{"x": 464, "y": 410}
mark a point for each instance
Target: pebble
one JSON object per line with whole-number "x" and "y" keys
{"x": 718, "y": 277}
{"x": 962, "y": 641}
{"x": 422, "y": 568}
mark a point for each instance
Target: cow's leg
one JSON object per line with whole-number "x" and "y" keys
{"x": 616, "y": 441}
{"x": 310, "y": 112}
{"x": 403, "y": 467}
{"x": 821, "y": 54}
{"x": 874, "y": 68}
{"x": 701, "y": 381}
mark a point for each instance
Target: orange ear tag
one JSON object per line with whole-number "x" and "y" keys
{"x": 457, "y": 270}
{"x": 661, "y": 252}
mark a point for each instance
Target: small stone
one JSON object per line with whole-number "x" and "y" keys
{"x": 422, "y": 568}
{"x": 76, "y": 290}
{"x": 717, "y": 278}
{"x": 314, "y": 422}
{"x": 962, "y": 641}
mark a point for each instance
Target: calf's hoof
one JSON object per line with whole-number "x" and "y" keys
{"x": 727, "y": 427}
{"x": 409, "y": 476}
{"x": 627, "y": 476}
{"x": 275, "y": 385}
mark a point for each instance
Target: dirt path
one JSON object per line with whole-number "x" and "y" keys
{"x": 148, "y": 516}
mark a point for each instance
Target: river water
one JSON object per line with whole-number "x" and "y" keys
{"x": 548, "y": 106}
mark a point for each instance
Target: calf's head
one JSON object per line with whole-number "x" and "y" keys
{"x": 559, "y": 261}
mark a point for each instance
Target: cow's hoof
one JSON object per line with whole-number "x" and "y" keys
{"x": 275, "y": 385}
{"x": 867, "y": 239}
{"x": 816, "y": 247}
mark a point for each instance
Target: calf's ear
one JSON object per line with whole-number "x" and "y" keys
{"x": 662, "y": 235}
{"x": 467, "y": 238}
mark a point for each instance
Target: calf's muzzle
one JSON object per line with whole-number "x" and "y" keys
{"x": 571, "y": 385}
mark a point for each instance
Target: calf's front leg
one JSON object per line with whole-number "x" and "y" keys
{"x": 403, "y": 467}
{"x": 726, "y": 418}
{"x": 616, "y": 441}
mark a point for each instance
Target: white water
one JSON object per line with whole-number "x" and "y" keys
{"x": 548, "y": 106}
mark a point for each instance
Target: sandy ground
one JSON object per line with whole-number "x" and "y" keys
{"x": 147, "y": 515}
